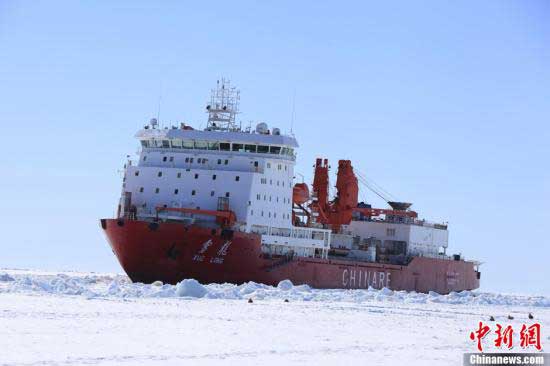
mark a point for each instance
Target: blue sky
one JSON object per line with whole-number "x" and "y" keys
{"x": 445, "y": 104}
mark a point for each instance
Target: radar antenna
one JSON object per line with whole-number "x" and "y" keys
{"x": 223, "y": 107}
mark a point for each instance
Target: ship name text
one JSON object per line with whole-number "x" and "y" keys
{"x": 353, "y": 278}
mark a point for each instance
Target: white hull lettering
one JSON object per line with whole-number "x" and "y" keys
{"x": 352, "y": 278}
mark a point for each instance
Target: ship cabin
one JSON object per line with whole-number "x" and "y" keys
{"x": 392, "y": 240}
{"x": 185, "y": 175}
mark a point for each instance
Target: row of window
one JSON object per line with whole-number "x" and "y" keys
{"x": 285, "y": 216}
{"x": 279, "y": 183}
{"x": 268, "y": 198}
{"x": 279, "y": 166}
{"x": 176, "y": 191}
{"x": 214, "y": 176}
{"x": 218, "y": 146}
{"x": 190, "y": 160}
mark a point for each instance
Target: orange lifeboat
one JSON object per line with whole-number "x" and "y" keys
{"x": 300, "y": 193}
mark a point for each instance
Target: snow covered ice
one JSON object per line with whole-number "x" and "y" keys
{"x": 104, "y": 319}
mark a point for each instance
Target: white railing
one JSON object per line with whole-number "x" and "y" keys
{"x": 293, "y": 236}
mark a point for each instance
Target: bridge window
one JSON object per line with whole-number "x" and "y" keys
{"x": 201, "y": 145}
{"x": 263, "y": 149}
{"x": 225, "y": 146}
{"x": 250, "y": 148}
{"x": 166, "y": 143}
{"x": 144, "y": 143}
{"x": 275, "y": 150}
{"x": 188, "y": 144}
{"x": 238, "y": 147}
{"x": 176, "y": 143}
{"x": 213, "y": 146}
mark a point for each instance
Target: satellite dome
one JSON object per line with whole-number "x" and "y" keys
{"x": 262, "y": 128}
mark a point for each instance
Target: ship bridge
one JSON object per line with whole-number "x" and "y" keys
{"x": 179, "y": 139}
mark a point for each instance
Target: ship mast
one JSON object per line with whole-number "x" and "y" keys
{"x": 223, "y": 107}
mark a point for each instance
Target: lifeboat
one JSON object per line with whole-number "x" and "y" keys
{"x": 300, "y": 193}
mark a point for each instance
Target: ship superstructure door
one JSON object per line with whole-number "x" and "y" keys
{"x": 223, "y": 204}
{"x": 127, "y": 203}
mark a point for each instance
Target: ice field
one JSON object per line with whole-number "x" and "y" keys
{"x": 49, "y": 318}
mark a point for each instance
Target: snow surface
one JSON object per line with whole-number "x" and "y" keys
{"x": 75, "y": 318}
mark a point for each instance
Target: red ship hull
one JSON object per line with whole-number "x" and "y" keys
{"x": 171, "y": 252}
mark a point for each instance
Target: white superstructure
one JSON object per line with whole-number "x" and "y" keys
{"x": 252, "y": 171}
{"x": 414, "y": 238}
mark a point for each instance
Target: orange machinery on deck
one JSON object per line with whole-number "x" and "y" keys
{"x": 340, "y": 210}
